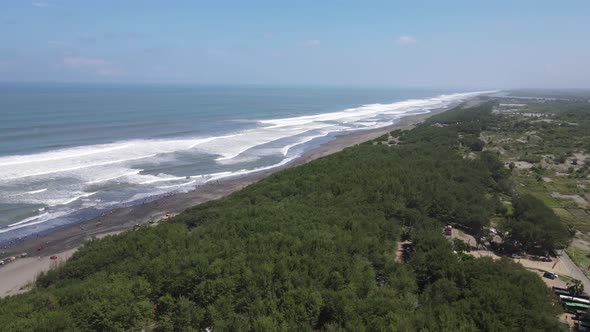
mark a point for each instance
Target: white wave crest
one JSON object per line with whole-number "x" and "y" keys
{"x": 35, "y": 220}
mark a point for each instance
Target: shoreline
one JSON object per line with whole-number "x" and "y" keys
{"x": 64, "y": 241}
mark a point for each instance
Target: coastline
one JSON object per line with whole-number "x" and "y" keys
{"x": 64, "y": 241}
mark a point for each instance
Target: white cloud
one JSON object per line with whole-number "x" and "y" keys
{"x": 406, "y": 39}
{"x": 311, "y": 42}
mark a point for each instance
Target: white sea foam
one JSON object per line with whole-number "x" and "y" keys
{"x": 35, "y": 220}
{"x": 73, "y": 159}
{"x": 135, "y": 172}
{"x": 163, "y": 178}
{"x": 30, "y": 169}
{"x": 178, "y": 185}
{"x": 75, "y": 198}
{"x": 59, "y": 154}
{"x": 32, "y": 192}
{"x": 232, "y": 147}
{"x": 26, "y": 220}
{"x": 285, "y": 150}
{"x": 223, "y": 175}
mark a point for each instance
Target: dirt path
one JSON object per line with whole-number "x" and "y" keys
{"x": 399, "y": 255}
{"x": 560, "y": 266}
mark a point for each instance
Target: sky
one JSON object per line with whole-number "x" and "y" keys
{"x": 443, "y": 44}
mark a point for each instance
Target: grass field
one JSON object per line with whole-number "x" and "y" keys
{"x": 580, "y": 257}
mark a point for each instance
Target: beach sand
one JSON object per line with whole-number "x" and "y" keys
{"x": 64, "y": 241}
{"x": 17, "y": 276}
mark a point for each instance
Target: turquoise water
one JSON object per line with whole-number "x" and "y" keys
{"x": 69, "y": 152}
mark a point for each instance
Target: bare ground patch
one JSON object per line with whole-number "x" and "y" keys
{"x": 576, "y": 198}
{"x": 523, "y": 165}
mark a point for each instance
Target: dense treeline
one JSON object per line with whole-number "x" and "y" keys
{"x": 476, "y": 294}
{"x": 535, "y": 226}
{"x": 311, "y": 247}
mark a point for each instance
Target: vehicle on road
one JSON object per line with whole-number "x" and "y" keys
{"x": 550, "y": 275}
{"x": 573, "y": 299}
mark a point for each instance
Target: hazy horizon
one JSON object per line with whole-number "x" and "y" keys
{"x": 457, "y": 44}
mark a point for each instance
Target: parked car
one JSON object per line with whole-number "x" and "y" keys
{"x": 53, "y": 257}
{"x": 550, "y": 275}
{"x": 546, "y": 259}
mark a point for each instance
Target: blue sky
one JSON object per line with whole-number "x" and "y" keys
{"x": 467, "y": 44}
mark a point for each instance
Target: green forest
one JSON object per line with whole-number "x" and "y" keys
{"x": 314, "y": 247}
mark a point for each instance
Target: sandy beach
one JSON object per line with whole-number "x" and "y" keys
{"x": 16, "y": 276}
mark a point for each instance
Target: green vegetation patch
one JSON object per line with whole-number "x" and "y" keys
{"x": 580, "y": 257}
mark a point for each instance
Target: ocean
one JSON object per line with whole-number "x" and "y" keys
{"x": 69, "y": 152}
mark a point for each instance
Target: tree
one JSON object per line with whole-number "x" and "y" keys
{"x": 576, "y": 287}
{"x": 535, "y": 225}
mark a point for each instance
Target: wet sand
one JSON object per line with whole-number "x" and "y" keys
{"x": 64, "y": 241}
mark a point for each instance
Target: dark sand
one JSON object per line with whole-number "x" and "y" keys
{"x": 63, "y": 241}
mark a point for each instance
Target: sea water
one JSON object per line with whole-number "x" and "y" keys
{"x": 69, "y": 152}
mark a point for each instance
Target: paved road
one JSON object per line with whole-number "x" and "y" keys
{"x": 575, "y": 271}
